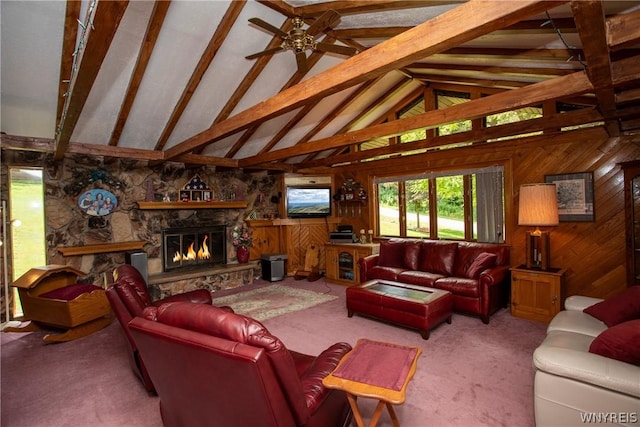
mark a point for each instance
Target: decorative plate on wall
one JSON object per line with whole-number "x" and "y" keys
{"x": 97, "y": 202}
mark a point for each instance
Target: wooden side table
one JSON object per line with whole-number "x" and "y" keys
{"x": 536, "y": 294}
{"x": 360, "y": 373}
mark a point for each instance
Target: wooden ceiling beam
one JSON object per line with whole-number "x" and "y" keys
{"x": 466, "y": 22}
{"x": 591, "y": 24}
{"x": 623, "y": 30}
{"x": 100, "y": 33}
{"x": 380, "y": 100}
{"x": 217, "y": 39}
{"x": 296, "y": 78}
{"x": 468, "y": 81}
{"x": 554, "y": 121}
{"x": 251, "y": 76}
{"x": 199, "y": 159}
{"x": 333, "y": 114}
{"x": 630, "y": 95}
{"x": 566, "y": 25}
{"x": 560, "y": 55}
{"x": 526, "y": 68}
{"x": 71, "y": 17}
{"x": 286, "y": 128}
{"x": 280, "y": 7}
{"x": 363, "y": 6}
{"x": 626, "y": 71}
{"x": 23, "y": 143}
{"x": 108, "y": 151}
{"x": 560, "y": 87}
{"x": 154, "y": 26}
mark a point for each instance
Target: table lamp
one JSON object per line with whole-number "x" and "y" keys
{"x": 538, "y": 207}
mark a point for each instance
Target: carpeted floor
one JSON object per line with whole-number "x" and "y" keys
{"x": 469, "y": 373}
{"x": 266, "y": 302}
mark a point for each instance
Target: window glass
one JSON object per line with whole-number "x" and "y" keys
{"x": 417, "y": 200}
{"x": 450, "y": 207}
{"x": 388, "y": 209}
{"x": 26, "y": 192}
{"x": 446, "y": 99}
{"x": 466, "y": 205}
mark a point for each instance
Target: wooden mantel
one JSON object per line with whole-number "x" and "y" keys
{"x": 237, "y": 204}
{"x": 101, "y": 248}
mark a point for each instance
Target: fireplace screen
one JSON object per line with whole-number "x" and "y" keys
{"x": 193, "y": 247}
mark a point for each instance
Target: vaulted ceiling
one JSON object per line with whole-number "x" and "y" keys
{"x": 169, "y": 81}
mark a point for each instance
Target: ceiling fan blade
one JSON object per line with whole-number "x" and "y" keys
{"x": 265, "y": 52}
{"x": 275, "y": 30}
{"x": 336, "y": 48}
{"x": 301, "y": 60}
{"x": 326, "y": 20}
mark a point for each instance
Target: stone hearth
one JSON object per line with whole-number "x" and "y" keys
{"x": 212, "y": 279}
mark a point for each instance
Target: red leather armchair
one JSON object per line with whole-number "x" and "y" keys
{"x": 214, "y": 367}
{"x": 128, "y": 296}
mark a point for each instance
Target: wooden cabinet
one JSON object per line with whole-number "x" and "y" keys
{"x": 266, "y": 240}
{"x": 342, "y": 261}
{"x": 536, "y": 294}
{"x": 632, "y": 214}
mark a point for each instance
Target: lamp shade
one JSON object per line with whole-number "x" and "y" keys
{"x": 538, "y": 205}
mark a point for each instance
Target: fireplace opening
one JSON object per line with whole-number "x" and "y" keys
{"x": 193, "y": 247}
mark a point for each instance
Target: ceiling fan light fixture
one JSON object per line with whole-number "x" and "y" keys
{"x": 298, "y": 40}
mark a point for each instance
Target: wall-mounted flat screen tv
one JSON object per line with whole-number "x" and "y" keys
{"x": 308, "y": 202}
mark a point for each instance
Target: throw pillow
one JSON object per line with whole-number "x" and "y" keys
{"x": 411, "y": 255}
{"x": 482, "y": 262}
{"x": 619, "y": 308}
{"x": 437, "y": 256}
{"x": 620, "y": 342}
{"x": 391, "y": 253}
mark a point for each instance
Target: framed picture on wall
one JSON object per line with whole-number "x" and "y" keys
{"x": 97, "y": 202}
{"x": 575, "y": 196}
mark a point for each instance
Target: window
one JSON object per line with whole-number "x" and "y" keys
{"x": 464, "y": 205}
{"x": 389, "y": 209}
{"x": 446, "y": 99}
{"x": 26, "y": 199}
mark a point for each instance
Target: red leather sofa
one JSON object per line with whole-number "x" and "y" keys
{"x": 128, "y": 296}
{"x": 477, "y": 274}
{"x": 214, "y": 367}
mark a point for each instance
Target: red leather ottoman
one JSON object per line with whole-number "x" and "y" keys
{"x": 408, "y": 305}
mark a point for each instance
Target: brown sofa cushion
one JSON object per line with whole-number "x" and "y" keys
{"x": 482, "y": 262}
{"x": 391, "y": 253}
{"x": 437, "y": 257}
{"x": 619, "y": 308}
{"x": 411, "y": 255}
{"x": 468, "y": 252}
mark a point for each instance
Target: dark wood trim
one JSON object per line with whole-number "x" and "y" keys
{"x": 106, "y": 21}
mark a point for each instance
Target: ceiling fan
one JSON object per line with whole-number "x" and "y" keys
{"x": 299, "y": 40}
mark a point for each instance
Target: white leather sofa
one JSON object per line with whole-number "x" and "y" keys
{"x": 574, "y": 387}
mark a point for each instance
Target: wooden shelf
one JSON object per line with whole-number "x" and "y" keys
{"x": 238, "y": 204}
{"x": 291, "y": 221}
{"x": 101, "y": 248}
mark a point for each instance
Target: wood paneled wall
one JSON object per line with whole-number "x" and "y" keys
{"x": 592, "y": 252}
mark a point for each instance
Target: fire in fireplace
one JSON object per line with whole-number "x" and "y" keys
{"x": 193, "y": 247}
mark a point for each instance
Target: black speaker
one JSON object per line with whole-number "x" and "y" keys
{"x": 139, "y": 261}
{"x": 273, "y": 268}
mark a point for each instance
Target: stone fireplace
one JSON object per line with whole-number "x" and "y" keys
{"x": 193, "y": 247}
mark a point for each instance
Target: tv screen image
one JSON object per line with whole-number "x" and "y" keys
{"x": 308, "y": 202}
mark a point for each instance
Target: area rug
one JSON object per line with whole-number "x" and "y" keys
{"x": 271, "y": 301}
